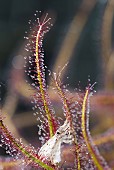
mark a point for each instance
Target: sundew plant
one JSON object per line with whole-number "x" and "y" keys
{"x": 72, "y": 135}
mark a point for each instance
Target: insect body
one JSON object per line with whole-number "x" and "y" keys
{"x": 51, "y": 150}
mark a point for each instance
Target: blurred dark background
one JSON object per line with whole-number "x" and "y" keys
{"x": 86, "y": 56}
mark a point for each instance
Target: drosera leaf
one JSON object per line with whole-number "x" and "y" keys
{"x": 98, "y": 160}
{"x": 37, "y": 71}
{"x": 17, "y": 149}
{"x": 67, "y": 114}
{"x": 40, "y": 33}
